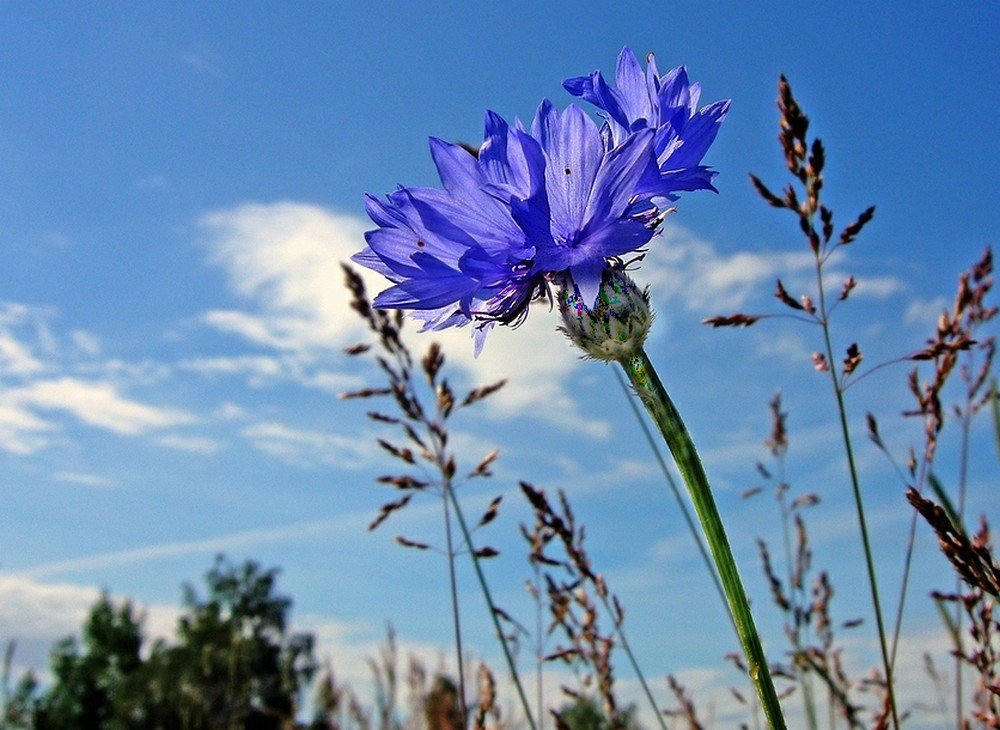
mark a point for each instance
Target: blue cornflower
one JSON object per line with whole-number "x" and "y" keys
{"x": 553, "y": 204}
{"x": 529, "y": 207}
{"x": 454, "y": 255}
{"x": 587, "y": 210}
{"x": 667, "y": 104}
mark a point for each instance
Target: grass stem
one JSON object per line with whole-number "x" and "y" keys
{"x": 467, "y": 535}
{"x": 453, "y": 584}
{"x": 856, "y": 489}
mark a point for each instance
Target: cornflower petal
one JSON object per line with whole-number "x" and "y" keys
{"x": 633, "y": 89}
{"x": 666, "y": 103}
{"x": 573, "y": 156}
{"x": 435, "y": 290}
{"x": 558, "y": 204}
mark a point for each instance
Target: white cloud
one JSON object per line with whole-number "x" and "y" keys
{"x": 146, "y": 372}
{"x": 682, "y": 266}
{"x": 260, "y": 366}
{"x": 96, "y": 404}
{"x": 281, "y": 333}
{"x": 99, "y": 404}
{"x": 263, "y": 370}
{"x": 86, "y": 343}
{"x": 50, "y": 375}
{"x": 285, "y": 258}
{"x": 784, "y": 345}
{"x": 192, "y": 444}
{"x": 83, "y": 479}
{"x": 24, "y": 334}
{"x": 16, "y": 358}
{"x": 877, "y": 287}
{"x": 925, "y": 311}
{"x": 228, "y": 412}
{"x": 21, "y": 432}
{"x": 308, "y": 449}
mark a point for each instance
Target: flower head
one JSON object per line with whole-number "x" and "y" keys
{"x": 454, "y": 255}
{"x": 551, "y": 205}
{"x": 667, "y": 104}
{"x": 613, "y": 327}
{"x": 587, "y": 210}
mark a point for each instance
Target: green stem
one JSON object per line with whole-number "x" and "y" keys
{"x": 453, "y": 583}
{"x": 539, "y": 645}
{"x": 858, "y": 501}
{"x": 492, "y": 606}
{"x": 688, "y": 520}
{"x": 654, "y": 396}
{"x": 635, "y": 664}
{"x": 963, "y": 465}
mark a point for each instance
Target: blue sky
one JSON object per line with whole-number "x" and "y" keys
{"x": 178, "y": 183}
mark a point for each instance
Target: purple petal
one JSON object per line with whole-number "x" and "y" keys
{"x": 369, "y": 259}
{"x": 616, "y": 182}
{"x": 582, "y": 86}
{"x": 675, "y": 90}
{"x": 425, "y": 293}
{"x": 381, "y": 214}
{"x": 456, "y": 167}
{"x": 479, "y": 333}
{"x": 698, "y": 135}
{"x": 633, "y": 91}
{"x": 573, "y": 152}
{"x": 493, "y": 162}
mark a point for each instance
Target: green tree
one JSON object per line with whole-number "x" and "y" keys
{"x": 88, "y": 679}
{"x": 16, "y": 704}
{"x": 584, "y": 713}
{"x": 234, "y": 663}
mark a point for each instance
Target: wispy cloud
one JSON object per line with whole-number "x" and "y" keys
{"x": 682, "y": 267}
{"x": 26, "y": 339}
{"x": 204, "y": 60}
{"x": 16, "y": 358}
{"x": 304, "y": 531}
{"x": 24, "y": 430}
{"x": 82, "y": 478}
{"x": 263, "y": 370}
{"x": 191, "y": 444}
{"x": 42, "y": 369}
{"x": 309, "y": 449}
{"x": 284, "y": 259}
{"x": 85, "y": 343}
{"x": 96, "y": 404}
{"x": 925, "y": 311}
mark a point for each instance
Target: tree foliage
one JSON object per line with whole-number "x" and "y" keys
{"x": 233, "y": 664}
